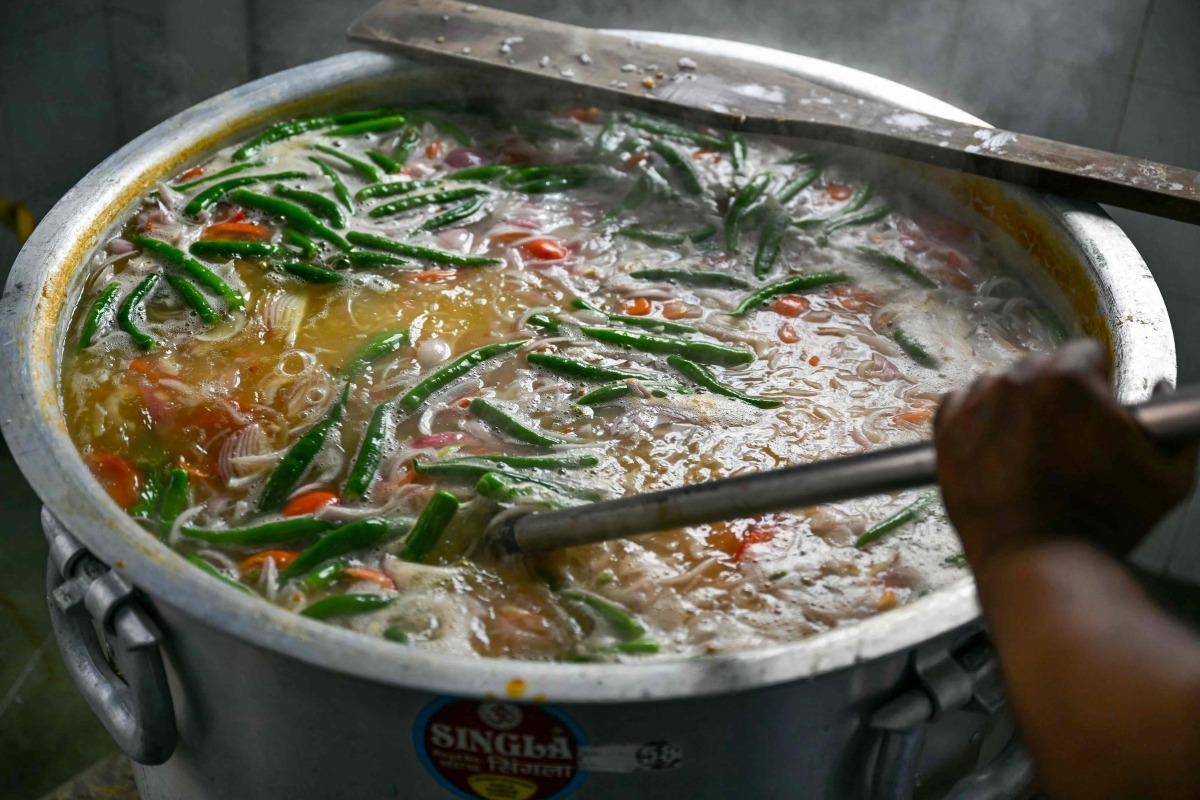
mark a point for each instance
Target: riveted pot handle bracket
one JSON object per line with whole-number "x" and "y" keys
{"x": 125, "y": 685}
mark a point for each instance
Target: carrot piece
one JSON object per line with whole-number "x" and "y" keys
{"x": 814, "y": 361}
{"x": 589, "y": 114}
{"x": 142, "y": 365}
{"x": 913, "y": 417}
{"x": 433, "y": 276}
{"x": 194, "y": 172}
{"x": 545, "y": 249}
{"x": 118, "y": 476}
{"x": 367, "y": 574}
{"x": 638, "y": 307}
{"x": 839, "y": 191}
{"x": 715, "y": 155}
{"x": 509, "y": 237}
{"x": 310, "y": 503}
{"x": 435, "y": 149}
{"x": 788, "y": 334}
{"x": 236, "y": 232}
{"x": 758, "y": 534}
{"x": 635, "y": 159}
{"x": 790, "y": 305}
{"x": 887, "y": 600}
{"x": 256, "y": 562}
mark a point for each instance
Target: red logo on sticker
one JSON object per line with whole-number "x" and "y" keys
{"x": 500, "y": 751}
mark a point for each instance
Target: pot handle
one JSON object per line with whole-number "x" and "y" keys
{"x": 92, "y": 607}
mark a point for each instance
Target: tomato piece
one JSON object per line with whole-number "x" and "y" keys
{"x": 236, "y": 232}
{"x": 435, "y": 149}
{"x": 758, "y": 534}
{"x": 119, "y": 477}
{"x": 545, "y": 250}
{"x": 310, "y": 503}
{"x": 790, "y": 305}
{"x": 788, "y": 333}
{"x": 367, "y": 574}
{"x": 638, "y": 307}
{"x": 256, "y": 562}
{"x": 839, "y": 191}
{"x": 676, "y": 309}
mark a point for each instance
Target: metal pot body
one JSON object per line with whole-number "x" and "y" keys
{"x": 218, "y": 695}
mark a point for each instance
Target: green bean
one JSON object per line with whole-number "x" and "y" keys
{"x": 317, "y": 203}
{"x": 299, "y": 456}
{"x": 799, "y": 158}
{"x": 485, "y": 172}
{"x": 902, "y": 517}
{"x": 127, "y": 312}
{"x": 861, "y": 218}
{"x": 770, "y": 243}
{"x": 376, "y": 125}
{"x": 341, "y": 605}
{"x": 456, "y": 215}
{"x": 416, "y": 251}
{"x": 369, "y": 260}
{"x": 199, "y": 273}
{"x": 898, "y": 265}
{"x": 461, "y": 470}
{"x": 520, "y": 175}
{"x": 385, "y": 162}
{"x": 915, "y": 350}
{"x": 956, "y": 560}
{"x": 405, "y": 143}
{"x": 638, "y": 647}
{"x": 530, "y": 462}
{"x": 176, "y": 497}
{"x": 369, "y": 172}
{"x": 857, "y": 201}
{"x": 797, "y": 185}
{"x": 611, "y": 392}
{"x": 186, "y": 187}
{"x": 623, "y": 622}
{"x": 217, "y": 191}
{"x": 276, "y": 532}
{"x": 430, "y": 526}
{"x": 148, "y": 497}
{"x": 298, "y": 239}
{"x": 709, "y": 381}
{"x": 354, "y": 536}
{"x": 670, "y": 130}
{"x": 392, "y": 188}
{"x": 648, "y": 323}
{"x": 747, "y": 196}
{"x": 737, "y": 150}
{"x": 339, "y": 186}
{"x": 443, "y": 377}
{"x": 608, "y": 140}
{"x": 100, "y": 309}
{"x": 796, "y": 283}
{"x": 429, "y": 198}
{"x": 681, "y": 165}
{"x": 508, "y": 486}
{"x": 667, "y": 237}
{"x": 295, "y": 127}
{"x": 295, "y": 215}
{"x": 642, "y": 191}
{"x": 370, "y": 452}
{"x": 223, "y": 249}
{"x": 326, "y": 574}
{"x": 192, "y": 295}
{"x": 508, "y": 425}
{"x": 396, "y": 634}
{"x": 377, "y": 347}
{"x": 692, "y": 277}
{"x": 578, "y": 369}
{"x": 551, "y": 185}
{"x": 694, "y": 351}
{"x": 543, "y": 321}
{"x": 309, "y": 273}
{"x": 216, "y": 573}
{"x": 442, "y": 125}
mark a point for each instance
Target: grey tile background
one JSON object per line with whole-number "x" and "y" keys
{"x": 80, "y": 77}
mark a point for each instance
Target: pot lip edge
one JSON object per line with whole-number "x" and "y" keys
{"x": 296, "y": 637}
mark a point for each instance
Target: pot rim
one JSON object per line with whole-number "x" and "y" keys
{"x": 40, "y": 287}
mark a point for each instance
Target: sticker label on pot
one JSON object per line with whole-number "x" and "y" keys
{"x": 494, "y": 750}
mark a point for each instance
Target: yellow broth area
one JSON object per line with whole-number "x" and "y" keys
{"x": 226, "y": 402}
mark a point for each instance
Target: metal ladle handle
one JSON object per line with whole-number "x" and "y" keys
{"x": 1172, "y": 417}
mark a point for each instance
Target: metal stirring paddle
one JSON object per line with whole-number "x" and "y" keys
{"x": 1169, "y": 418}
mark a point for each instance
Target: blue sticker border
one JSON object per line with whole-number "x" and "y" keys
{"x": 439, "y": 703}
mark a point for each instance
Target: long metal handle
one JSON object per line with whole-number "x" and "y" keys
{"x": 1172, "y": 417}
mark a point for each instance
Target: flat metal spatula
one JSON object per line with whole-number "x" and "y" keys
{"x": 1169, "y": 418}
{"x": 733, "y": 94}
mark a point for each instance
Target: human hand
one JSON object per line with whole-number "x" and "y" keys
{"x": 1044, "y": 451}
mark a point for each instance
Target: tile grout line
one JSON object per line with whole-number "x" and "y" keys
{"x": 1137, "y": 57}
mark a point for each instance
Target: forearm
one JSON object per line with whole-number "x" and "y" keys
{"x": 1106, "y": 688}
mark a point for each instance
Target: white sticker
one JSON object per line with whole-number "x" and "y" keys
{"x": 644, "y": 757}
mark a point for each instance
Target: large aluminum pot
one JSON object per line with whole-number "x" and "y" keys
{"x": 221, "y": 696}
